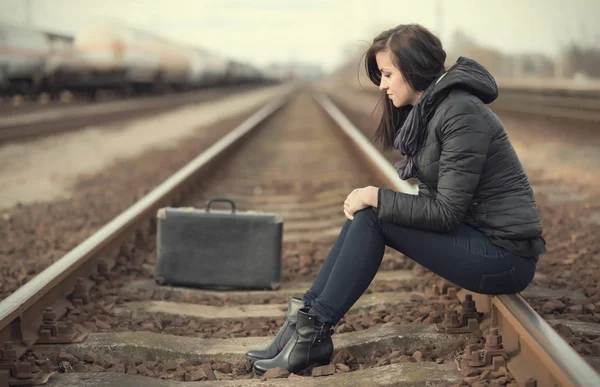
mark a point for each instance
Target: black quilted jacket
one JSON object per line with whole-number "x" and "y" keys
{"x": 468, "y": 169}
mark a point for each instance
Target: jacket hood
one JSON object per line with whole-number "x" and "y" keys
{"x": 470, "y": 76}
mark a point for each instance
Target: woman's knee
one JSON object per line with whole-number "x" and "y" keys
{"x": 367, "y": 215}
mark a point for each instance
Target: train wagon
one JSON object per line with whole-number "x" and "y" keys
{"x": 23, "y": 53}
{"x": 110, "y": 55}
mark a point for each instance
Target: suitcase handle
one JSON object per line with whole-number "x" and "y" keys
{"x": 210, "y": 201}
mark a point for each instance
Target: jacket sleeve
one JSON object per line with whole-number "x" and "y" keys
{"x": 465, "y": 139}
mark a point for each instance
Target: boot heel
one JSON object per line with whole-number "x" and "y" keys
{"x": 310, "y": 344}
{"x": 257, "y": 371}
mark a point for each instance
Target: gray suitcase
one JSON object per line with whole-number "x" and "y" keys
{"x": 216, "y": 248}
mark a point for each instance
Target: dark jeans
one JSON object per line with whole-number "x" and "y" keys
{"x": 464, "y": 257}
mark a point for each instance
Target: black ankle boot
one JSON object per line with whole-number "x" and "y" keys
{"x": 310, "y": 344}
{"x": 284, "y": 334}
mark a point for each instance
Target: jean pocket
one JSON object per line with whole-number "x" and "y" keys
{"x": 502, "y": 283}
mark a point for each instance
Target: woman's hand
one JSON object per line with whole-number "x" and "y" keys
{"x": 359, "y": 199}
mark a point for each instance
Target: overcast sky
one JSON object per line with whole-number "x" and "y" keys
{"x": 316, "y": 31}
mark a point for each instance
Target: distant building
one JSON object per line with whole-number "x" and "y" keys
{"x": 500, "y": 64}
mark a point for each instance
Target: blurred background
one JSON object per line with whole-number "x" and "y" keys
{"x": 102, "y": 101}
{"x": 310, "y": 39}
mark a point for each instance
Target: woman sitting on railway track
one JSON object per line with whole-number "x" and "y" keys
{"x": 474, "y": 221}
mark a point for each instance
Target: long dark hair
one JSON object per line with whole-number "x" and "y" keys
{"x": 419, "y": 56}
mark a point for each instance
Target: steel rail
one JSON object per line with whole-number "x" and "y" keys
{"x": 33, "y": 124}
{"x": 21, "y": 311}
{"x": 525, "y": 333}
{"x": 386, "y": 172}
{"x": 577, "y": 103}
{"x": 559, "y": 107}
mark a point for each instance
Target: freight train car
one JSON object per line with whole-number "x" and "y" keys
{"x": 23, "y": 53}
{"x": 109, "y": 55}
{"x": 207, "y": 69}
{"x": 242, "y": 72}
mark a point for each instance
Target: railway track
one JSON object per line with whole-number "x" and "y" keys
{"x": 549, "y": 106}
{"x": 301, "y": 160}
{"x": 30, "y": 122}
{"x": 539, "y": 104}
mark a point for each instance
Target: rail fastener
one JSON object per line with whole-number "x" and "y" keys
{"x": 19, "y": 373}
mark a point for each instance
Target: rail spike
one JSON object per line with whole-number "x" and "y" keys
{"x": 80, "y": 295}
{"x": 19, "y": 373}
{"x": 53, "y": 332}
{"x": 465, "y": 322}
{"x": 494, "y": 354}
{"x": 443, "y": 290}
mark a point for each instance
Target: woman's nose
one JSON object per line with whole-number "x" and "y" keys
{"x": 382, "y": 85}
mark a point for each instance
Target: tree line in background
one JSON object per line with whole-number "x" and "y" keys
{"x": 576, "y": 61}
{"x": 583, "y": 59}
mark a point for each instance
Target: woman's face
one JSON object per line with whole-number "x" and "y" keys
{"x": 392, "y": 81}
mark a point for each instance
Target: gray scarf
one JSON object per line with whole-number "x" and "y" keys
{"x": 409, "y": 139}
